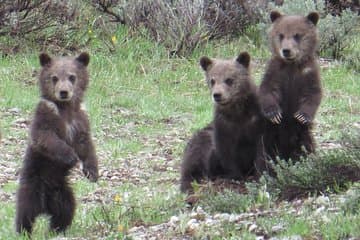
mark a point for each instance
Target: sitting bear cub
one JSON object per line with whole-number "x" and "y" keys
{"x": 227, "y": 147}
{"x": 290, "y": 92}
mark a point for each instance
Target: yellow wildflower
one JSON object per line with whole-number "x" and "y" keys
{"x": 120, "y": 228}
{"x": 113, "y": 39}
{"x": 117, "y": 198}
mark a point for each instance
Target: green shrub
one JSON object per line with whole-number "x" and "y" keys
{"x": 183, "y": 25}
{"x": 227, "y": 201}
{"x": 352, "y": 202}
{"x": 329, "y": 170}
{"x": 58, "y": 26}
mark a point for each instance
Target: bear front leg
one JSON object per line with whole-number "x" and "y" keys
{"x": 269, "y": 99}
{"x": 86, "y": 151}
{"x": 90, "y": 167}
{"x": 310, "y": 100}
{"x": 51, "y": 146}
{"x": 187, "y": 177}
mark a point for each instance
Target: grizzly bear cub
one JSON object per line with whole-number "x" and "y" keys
{"x": 290, "y": 92}
{"x": 59, "y": 139}
{"x": 227, "y": 147}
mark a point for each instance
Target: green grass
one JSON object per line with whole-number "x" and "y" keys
{"x": 143, "y": 107}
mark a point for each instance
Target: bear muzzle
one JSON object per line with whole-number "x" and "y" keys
{"x": 287, "y": 54}
{"x": 64, "y": 95}
{"x": 217, "y": 97}
{"x": 64, "y": 91}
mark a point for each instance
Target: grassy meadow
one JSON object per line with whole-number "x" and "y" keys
{"x": 143, "y": 107}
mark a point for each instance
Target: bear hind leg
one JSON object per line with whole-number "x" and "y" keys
{"x": 28, "y": 207}
{"x": 61, "y": 208}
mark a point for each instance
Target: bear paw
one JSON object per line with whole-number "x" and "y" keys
{"x": 273, "y": 114}
{"x": 91, "y": 173}
{"x": 303, "y": 118}
{"x": 72, "y": 160}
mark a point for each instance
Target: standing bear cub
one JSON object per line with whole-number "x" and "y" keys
{"x": 290, "y": 92}
{"x": 227, "y": 147}
{"x": 59, "y": 139}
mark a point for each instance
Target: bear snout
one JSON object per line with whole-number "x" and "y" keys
{"x": 286, "y": 53}
{"x": 64, "y": 94}
{"x": 64, "y": 91}
{"x": 217, "y": 97}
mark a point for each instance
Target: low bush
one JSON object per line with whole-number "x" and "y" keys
{"x": 329, "y": 170}
{"x": 183, "y": 25}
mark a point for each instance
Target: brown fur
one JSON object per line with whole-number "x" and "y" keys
{"x": 227, "y": 147}
{"x": 290, "y": 92}
{"x": 59, "y": 139}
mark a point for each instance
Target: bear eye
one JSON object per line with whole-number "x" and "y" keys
{"x": 281, "y": 36}
{"x": 297, "y": 37}
{"x": 212, "y": 82}
{"x": 72, "y": 78}
{"x": 54, "y": 79}
{"x": 229, "y": 81}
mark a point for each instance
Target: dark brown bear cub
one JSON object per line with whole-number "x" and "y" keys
{"x": 59, "y": 139}
{"x": 227, "y": 147}
{"x": 290, "y": 92}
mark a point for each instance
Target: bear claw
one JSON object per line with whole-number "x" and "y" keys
{"x": 91, "y": 174}
{"x": 276, "y": 119}
{"x": 274, "y": 116}
{"x": 302, "y": 118}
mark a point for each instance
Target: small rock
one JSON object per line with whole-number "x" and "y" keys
{"x": 252, "y": 227}
{"x": 222, "y": 216}
{"x": 174, "y": 220}
{"x": 319, "y": 210}
{"x": 14, "y": 110}
{"x": 199, "y": 214}
{"x": 192, "y": 225}
{"x": 192, "y": 221}
{"x": 136, "y": 229}
{"x": 322, "y": 200}
{"x": 277, "y": 228}
{"x": 234, "y": 218}
{"x": 114, "y": 178}
{"x": 210, "y": 222}
{"x": 157, "y": 228}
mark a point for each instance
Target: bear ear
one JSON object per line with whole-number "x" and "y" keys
{"x": 205, "y": 63}
{"x": 45, "y": 59}
{"x": 274, "y": 15}
{"x": 244, "y": 59}
{"x": 83, "y": 58}
{"x": 313, "y": 17}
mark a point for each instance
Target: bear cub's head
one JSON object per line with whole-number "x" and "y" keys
{"x": 63, "y": 79}
{"x": 228, "y": 80}
{"x": 293, "y": 38}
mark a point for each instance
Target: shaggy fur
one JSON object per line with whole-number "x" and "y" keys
{"x": 290, "y": 92}
{"x": 59, "y": 139}
{"x": 227, "y": 147}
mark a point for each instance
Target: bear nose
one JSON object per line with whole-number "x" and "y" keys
{"x": 217, "y": 97}
{"x": 63, "y": 94}
{"x": 286, "y": 52}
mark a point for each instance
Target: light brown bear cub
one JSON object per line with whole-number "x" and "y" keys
{"x": 59, "y": 139}
{"x": 227, "y": 147}
{"x": 290, "y": 92}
